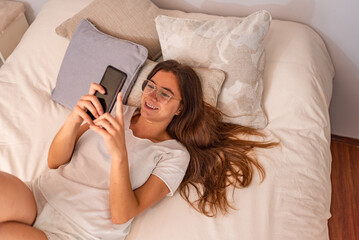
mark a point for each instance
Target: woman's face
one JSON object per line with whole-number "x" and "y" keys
{"x": 153, "y": 108}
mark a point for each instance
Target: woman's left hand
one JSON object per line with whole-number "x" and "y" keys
{"x": 112, "y": 130}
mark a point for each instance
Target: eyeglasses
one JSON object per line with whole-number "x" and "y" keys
{"x": 163, "y": 95}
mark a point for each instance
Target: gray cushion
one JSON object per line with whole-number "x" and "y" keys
{"x": 89, "y": 53}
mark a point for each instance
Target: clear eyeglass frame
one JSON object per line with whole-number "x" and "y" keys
{"x": 163, "y": 95}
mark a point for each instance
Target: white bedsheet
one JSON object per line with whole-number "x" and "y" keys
{"x": 294, "y": 200}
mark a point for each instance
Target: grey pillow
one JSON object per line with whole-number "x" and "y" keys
{"x": 89, "y": 53}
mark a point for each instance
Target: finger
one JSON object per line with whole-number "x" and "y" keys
{"x": 105, "y": 124}
{"x": 108, "y": 118}
{"x": 83, "y": 115}
{"x": 119, "y": 108}
{"x": 95, "y": 102}
{"x": 99, "y": 130}
{"x": 87, "y": 105}
{"x": 96, "y": 87}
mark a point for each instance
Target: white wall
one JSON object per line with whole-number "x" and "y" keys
{"x": 334, "y": 20}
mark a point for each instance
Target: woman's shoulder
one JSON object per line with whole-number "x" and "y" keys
{"x": 173, "y": 147}
{"x": 128, "y": 110}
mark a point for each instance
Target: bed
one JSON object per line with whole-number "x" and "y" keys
{"x": 293, "y": 202}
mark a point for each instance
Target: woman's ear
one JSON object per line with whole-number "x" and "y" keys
{"x": 179, "y": 110}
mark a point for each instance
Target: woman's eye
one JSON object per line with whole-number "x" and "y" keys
{"x": 151, "y": 86}
{"x": 166, "y": 95}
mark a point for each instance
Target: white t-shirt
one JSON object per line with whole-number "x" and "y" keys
{"x": 80, "y": 189}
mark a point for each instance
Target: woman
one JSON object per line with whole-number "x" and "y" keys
{"x": 128, "y": 162}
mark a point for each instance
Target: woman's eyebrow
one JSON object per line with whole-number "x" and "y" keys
{"x": 162, "y": 87}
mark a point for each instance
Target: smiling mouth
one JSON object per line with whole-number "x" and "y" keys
{"x": 150, "y": 106}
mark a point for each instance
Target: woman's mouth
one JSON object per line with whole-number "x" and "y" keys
{"x": 150, "y": 106}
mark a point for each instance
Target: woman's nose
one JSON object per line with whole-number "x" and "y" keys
{"x": 154, "y": 94}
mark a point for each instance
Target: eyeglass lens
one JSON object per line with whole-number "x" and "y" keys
{"x": 162, "y": 94}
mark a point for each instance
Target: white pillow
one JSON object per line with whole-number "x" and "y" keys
{"x": 234, "y": 45}
{"x": 211, "y": 81}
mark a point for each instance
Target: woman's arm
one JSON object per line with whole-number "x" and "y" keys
{"x": 63, "y": 145}
{"x": 124, "y": 202}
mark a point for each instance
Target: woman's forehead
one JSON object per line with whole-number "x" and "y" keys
{"x": 166, "y": 79}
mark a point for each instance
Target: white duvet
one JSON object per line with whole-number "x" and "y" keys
{"x": 293, "y": 202}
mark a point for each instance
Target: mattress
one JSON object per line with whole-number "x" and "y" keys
{"x": 293, "y": 201}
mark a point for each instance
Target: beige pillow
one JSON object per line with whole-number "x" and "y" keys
{"x": 133, "y": 20}
{"x": 231, "y": 44}
{"x": 211, "y": 80}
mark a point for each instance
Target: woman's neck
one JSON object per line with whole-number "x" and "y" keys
{"x": 143, "y": 128}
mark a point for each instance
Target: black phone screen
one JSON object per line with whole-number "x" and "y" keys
{"x": 112, "y": 81}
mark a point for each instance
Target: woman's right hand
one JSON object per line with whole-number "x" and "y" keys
{"x": 88, "y": 102}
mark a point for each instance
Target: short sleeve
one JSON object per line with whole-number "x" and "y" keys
{"x": 171, "y": 168}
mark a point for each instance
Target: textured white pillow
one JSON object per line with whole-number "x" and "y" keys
{"x": 234, "y": 45}
{"x": 211, "y": 81}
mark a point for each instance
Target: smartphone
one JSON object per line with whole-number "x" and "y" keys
{"x": 112, "y": 81}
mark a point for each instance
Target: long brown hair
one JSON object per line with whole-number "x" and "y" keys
{"x": 219, "y": 159}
